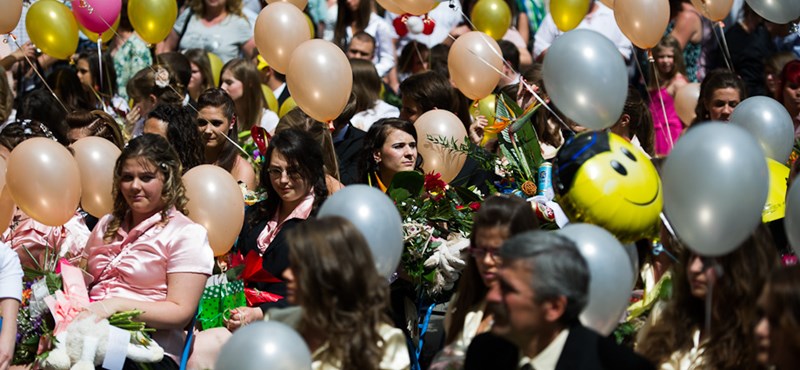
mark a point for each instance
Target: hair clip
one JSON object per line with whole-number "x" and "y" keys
{"x": 161, "y": 77}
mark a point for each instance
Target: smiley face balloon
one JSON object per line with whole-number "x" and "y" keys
{"x": 602, "y": 179}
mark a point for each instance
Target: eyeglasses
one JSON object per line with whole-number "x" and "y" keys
{"x": 480, "y": 253}
{"x": 276, "y": 173}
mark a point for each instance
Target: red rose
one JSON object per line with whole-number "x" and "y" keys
{"x": 475, "y": 206}
{"x": 434, "y": 183}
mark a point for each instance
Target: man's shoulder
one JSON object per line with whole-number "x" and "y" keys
{"x": 586, "y": 349}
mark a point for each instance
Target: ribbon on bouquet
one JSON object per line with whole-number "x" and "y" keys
{"x": 254, "y": 273}
{"x": 71, "y": 300}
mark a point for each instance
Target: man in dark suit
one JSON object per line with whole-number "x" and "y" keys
{"x": 347, "y": 143}
{"x": 543, "y": 287}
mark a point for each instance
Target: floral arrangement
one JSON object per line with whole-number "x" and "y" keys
{"x": 437, "y": 221}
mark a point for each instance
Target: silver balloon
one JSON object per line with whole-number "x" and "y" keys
{"x": 586, "y": 78}
{"x": 265, "y": 345}
{"x": 769, "y": 122}
{"x": 374, "y": 214}
{"x": 776, "y": 11}
{"x": 715, "y": 186}
{"x": 610, "y": 275}
{"x": 792, "y": 220}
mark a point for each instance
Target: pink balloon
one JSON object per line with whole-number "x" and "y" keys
{"x": 96, "y": 15}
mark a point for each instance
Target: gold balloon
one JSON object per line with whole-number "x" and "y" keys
{"x": 7, "y": 208}
{"x": 642, "y": 21}
{"x": 53, "y": 28}
{"x": 320, "y": 79}
{"x": 280, "y": 29}
{"x": 9, "y": 17}
{"x": 215, "y": 201}
{"x": 287, "y": 105}
{"x": 486, "y": 107}
{"x": 492, "y": 17}
{"x": 96, "y": 158}
{"x": 300, "y": 4}
{"x": 106, "y": 36}
{"x": 715, "y": 10}
{"x": 216, "y": 67}
{"x": 392, "y": 6}
{"x": 568, "y": 14}
{"x": 475, "y": 64}
{"x": 152, "y": 19}
{"x": 417, "y": 7}
{"x": 44, "y": 180}
{"x": 608, "y": 3}
{"x": 269, "y": 96}
{"x": 686, "y": 101}
{"x": 437, "y": 158}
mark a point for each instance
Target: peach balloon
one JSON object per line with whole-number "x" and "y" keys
{"x": 300, "y": 4}
{"x": 686, "y": 101}
{"x": 44, "y": 180}
{"x": 280, "y": 28}
{"x": 96, "y": 158}
{"x": 6, "y": 209}
{"x": 608, "y": 3}
{"x": 715, "y": 10}
{"x": 215, "y": 201}
{"x": 392, "y": 6}
{"x": 475, "y": 64}
{"x": 320, "y": 79}
{"x": 12, "y": 10}
{"x": 417, "y": 7}
{"x": 642, "y": 21}
{"x": 436, "y": 158}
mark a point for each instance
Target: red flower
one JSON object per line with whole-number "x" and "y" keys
{"x": 434, "y": 183}
{"x": 459, "y": 207}
{"x": 475, "y": 206}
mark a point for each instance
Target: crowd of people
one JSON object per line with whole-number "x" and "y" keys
{"x": 171, "y": 107}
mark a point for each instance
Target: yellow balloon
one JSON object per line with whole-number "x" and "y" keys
{"x": 152, "y": 19}
{"x": 287, "y": 105}
{"x": 310, "y": 26}
{"x": 269, "y": 96}
{"x": 216, "y": 67}
{"x": 492, "y": 17}
{"x": 775, "y": 208}
{"x": 486, "y": 107}
{"x": 568, "y": 14}
{"x": 106, "y": 36}
{"x": 52, "y": 27}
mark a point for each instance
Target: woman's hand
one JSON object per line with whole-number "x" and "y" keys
{"x": 8, "y": 332}
{"x": 100, "y": 309}
{"x": 243, "y": 316}
{"x": 476, "y": 129}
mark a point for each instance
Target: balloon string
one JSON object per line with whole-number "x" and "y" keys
{"x": 100, "y": 61}
{"x": 667, "y": 130}
{"x": 723, "y": 44}
{"x": 36, "y": 70}
{"x": 668, "y": 226}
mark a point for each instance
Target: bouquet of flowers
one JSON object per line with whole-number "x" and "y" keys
{"x": 437, "y": 221}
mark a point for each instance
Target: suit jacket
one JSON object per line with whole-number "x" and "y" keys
{"x": 283, "y": 96}
{"x": 348, "y": 153}
{"x": 584, "y": 350}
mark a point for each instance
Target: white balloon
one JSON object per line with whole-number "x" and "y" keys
{"x": 265, "y": 345}
{"x": 611, "y": 273}
{"x": 776, "y": 11}
{"x": 770, "y": 124}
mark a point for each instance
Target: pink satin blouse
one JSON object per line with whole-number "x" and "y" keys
{"x": 68, "y": 240}
{"x": 136, "y": 263}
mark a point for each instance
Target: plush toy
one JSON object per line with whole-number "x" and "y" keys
{"x": 83, "y": 346}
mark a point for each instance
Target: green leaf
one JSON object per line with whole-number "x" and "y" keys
{"x": 399, "y": 195}
{"x": 411, "y": 181}
{"x": 466, "y": 195}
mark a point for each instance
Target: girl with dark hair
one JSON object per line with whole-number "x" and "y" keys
{"x": 367, "y": 89}
{"x": 241, "y": 80}
{"x": 778, "y": 329}
{"x": 721, "y": 290}
{"x": 147, "y": 254}
{"x": 202, "y": 77}
{"x": 177, "y": 125}
{"x": 341, "y": 299}
{"x": 294, "y": 178}
{"x": 356, "y": 16}
{"x": 151, "y": 86}
{"x": 297, "y": 119}
{"x": 390, "y": 146}
{"x": 499, "y": 218}
{"x": 103, "y": 84}
{"x": 94, "y": 123}
{"x": 720, "y": 92}
{"x": 636, "y": 123}
{"x": 216, "y": 119}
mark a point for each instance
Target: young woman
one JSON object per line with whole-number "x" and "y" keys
{"x": 202, "y": 77}
{"x": 367, "y": 89}
{"x": 147, "y": 254}
{"x": 389, "y": 147}
{"x": 297, "y": 119}
{"x": 721, "y": 290}
{"x": 779, "y": 320}
{"x": 295, "y": 181}
{"x": 176, "y": 124}
{"x": 241, "y": 80}
{"x": 669, "y": 76}
{"x": 341, "y": 299}
{"x": 149, "y": 87}
{"x": 216, "y": 119}
{"x": 499, "y": 218}
{"x": 720, "y": 92}
{"x": 102, "y": 83}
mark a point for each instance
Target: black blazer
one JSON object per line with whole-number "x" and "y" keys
{"x": 584, "y": 350}
{"x": 275, "y": 259}
{"x": 348, "y": 153}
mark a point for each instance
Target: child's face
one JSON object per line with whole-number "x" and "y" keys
{"x": 665, "y": 60}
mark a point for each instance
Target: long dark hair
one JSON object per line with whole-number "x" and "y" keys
{"x": 374, "y": 140}
{"x": 109, "y": 86}
{"x": 341, "y": 293}
{"x": 303, "y": 153}
{"x": 96, "y": 123}
{"x": 731, "y": 342}
{"x": 716, "y": 80}
{"x": 182, "y": 133}
{"x": 345, "y": 17}
{"x": 504, "y": 211}
{"x": 220, "y": 99}
{"x": 431, "y": 90}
